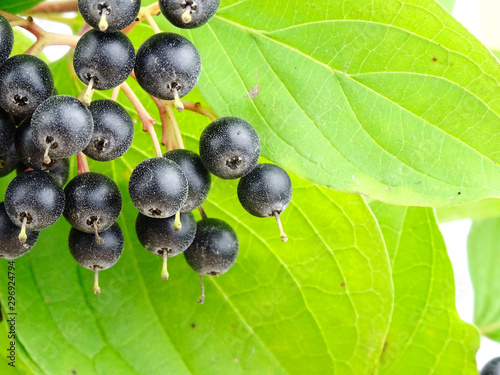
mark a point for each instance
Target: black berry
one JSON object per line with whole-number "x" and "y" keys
{"x": 158, "y": 188}
{"x": 93, "y": 203}
{"x": 229, "y": 147}
{"x": 10, "y": 246}
{"x": 168, "y": 66}
{"x": 159, "y": 237}
{"x": 9, "y": 161}
{"x": 113, "y": 131}
{"x": 105, "y": 58}
{"x": 29, "y": 154}
{"x": 198, "y": 178}
{"x": 96, "y": 257}
{"x": 33, "y": 201}
{"x": 109, "y": 15}
{"x": 25, "y": 82}
{"x": 6, "y": 39}
{"x": 266, "y": 192}
{"x": 61, "y": 126}
{"x": 188, "y": 14}
{"x": 7, "y": 131}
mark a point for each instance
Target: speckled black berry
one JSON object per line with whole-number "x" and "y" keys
{"x": 109, "y": 15}
{"x": 107, "y": 58}
{"x": 25, "y": 82}
{"x": 229, "y": 147}
{"x": 492, "y": 367}
{"x": 159, "y": 237}
{"x": 214, "y": 249}
{"x": 7, "y": 131}
{"x": 34, "y": 200}
{"x": 189, "y": 14}
{"x": 10, "y": 246}
{"x": 158, "y": 188}
{"x": 266, "y": 192}
{"x": 6, "y": 39}
{"x": 93, "y": 202}
{"x": 167, "y": 65}
{"x": 94, "y": 256}
{"x": 29, "y": 154}
{"x": 61, "y": 126}
{"x": 198, "y": 178}
{"x": 113, "y": 131}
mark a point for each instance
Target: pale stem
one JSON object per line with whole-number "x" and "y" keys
{"x": 164, "y": 271}
{"x": 202, "y": 297}
{"x": 97, "y": 289}
{"x": 152, "y": 22}
{"x": 54, "y": 7}
{"x": 153, "y": 10}
{"x": 175, "y": 126}
{"x": 88, "y": 92}
{"x": 283, "y": 236}
{"x": 83, "y": 165}
{"x": 114, "y": 94}
{"x": 177, "y": 222}
{"x": 166, "y": 128}
{"x": 23, "y": 237}
{"x": 146, "y": 119}
{"x": 198, "y": 108}
{"x": 98, "y": 239}
{"x": 202, "y": 212}
{"x": 186, "y": 16}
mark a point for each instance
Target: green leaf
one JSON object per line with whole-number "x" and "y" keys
{"x": 483, "y": 247}
{"x": 448, "y": 4}
{"x": 317, "y": 304}
{"x": 426, "y": 334}
{"x": 483, "y": 209}
{"x": 393, "y": 99}
{"x": 17, "y": 6}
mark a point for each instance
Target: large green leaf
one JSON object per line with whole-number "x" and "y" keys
{"x": 318, "y": 304}
{"x": 484, "y": 265}
{"x": 17, "y": 6}
{"x": 393, "y": 99}
{"x": 426, "y": 335}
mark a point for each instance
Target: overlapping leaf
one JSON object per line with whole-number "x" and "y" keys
{"x": 426, "y": 335}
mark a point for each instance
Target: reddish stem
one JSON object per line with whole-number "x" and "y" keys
{"x": 54, "y": 7}
{"x": 83, "y": 165}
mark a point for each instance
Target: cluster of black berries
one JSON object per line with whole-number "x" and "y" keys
{"x": 41, "y": 129}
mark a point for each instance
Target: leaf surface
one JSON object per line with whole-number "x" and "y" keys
{"x": 426, "y": 335}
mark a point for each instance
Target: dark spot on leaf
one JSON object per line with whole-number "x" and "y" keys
{"x": 193, "y": 325}
{"x": 434, "y": 59}
{"x": 253, "y": 92}
{"x": 342, "y": 285}
{"x": 74, "y": 372}
{"x": 459, "y": 193}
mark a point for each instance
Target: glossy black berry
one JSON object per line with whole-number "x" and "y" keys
{"x": 105, "y": 58}
{"x": 94, "y": 256}
{"x": 266, "y": 192}
{"x": 109, "y": 15}
{"x": 159, "y": 237}
{"x": 29, "y": 154}
{"x": 492, "y": 367}
{"x": 25, "y": 82}
{"x": 33, "y": 201}
{"x": 113, "y": 131}
{"x": 158, "y": 188}
{"x": 9, "y": 161}
{"x": 59, "y": 172}
{"x": 61, "y": 126}
{"x": 229, "y": 147}
{"x": 10, "y": 246}
{"x": 167, "y": 66}
{"x": 7, "y": 131}
{"x": 6, "y": 39}
{"x": 188, "y": 14}
{"x": 214, "y": 249}
{"x": 198, "y": 178}
{"x": 93, "y": 203}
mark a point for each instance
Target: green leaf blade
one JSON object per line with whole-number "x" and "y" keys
{"x": 399, "y": 105}
{"x": 426, "y": 333}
